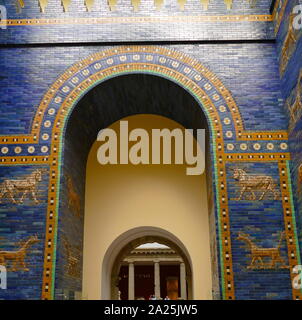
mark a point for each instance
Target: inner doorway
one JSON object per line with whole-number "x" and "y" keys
{"x": 153, "y": 271}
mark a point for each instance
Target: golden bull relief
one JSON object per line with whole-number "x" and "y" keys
{"x": 17, "y": 258}
{"x": 27, "y": 185}
{"x": 252, "y": 183}
{"x": 258, "y": 254}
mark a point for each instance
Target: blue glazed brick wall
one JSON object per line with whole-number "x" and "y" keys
{"x": 289, "y": 85}
{"x": 249, "y": 71}
{"x": 70, "y": 236}
{"x": 263, "y": 222}
{"x": 187, "y": 24}
{"x": 18, "y": 223}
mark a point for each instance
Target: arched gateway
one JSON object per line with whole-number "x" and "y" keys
{"x": 65, "y": 125}
{"x": 212, "y": 103}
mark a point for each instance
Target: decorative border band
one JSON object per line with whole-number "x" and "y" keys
{"x": 138, "y": 19}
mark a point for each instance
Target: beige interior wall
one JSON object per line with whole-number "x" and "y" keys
{"x": 123, "y": 197}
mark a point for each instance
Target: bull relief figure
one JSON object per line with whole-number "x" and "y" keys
{"x": 17, "y": 258}
{"x": 252, "y": 183}
{"x": 26, "y": 185}
{"x": 259, "y": 253}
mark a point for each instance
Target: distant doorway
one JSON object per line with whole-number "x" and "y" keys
{"x": 153, "y": 271}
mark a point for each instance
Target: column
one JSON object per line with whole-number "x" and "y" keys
{"x": 131, "y": 281}
{"x": 157, "y": 279}
{"x": 183, "y": 282}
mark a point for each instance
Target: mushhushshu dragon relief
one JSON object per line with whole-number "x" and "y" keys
{"x": 253, "y": 183}
{"x": 295, "y": 109}
{"x": 72, "y": 265}
{"x": 74, "y": 201}
{"x": 288, "y": 45}
{"x": 300, "y": 180}
{"x": 16, "y": 258}
{"x": 258, "y": 254}
{"x": 13, "y": 187}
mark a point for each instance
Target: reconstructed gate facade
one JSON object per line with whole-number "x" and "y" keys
{"x": 237, "y": 87}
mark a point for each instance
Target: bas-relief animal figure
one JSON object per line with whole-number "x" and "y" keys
{"x": 72, "y": 266}
{"x": 295, "y": 109}
{"x": 17, "y": 258}
{"x": 12, "y": 187}
{"x": 259, "y": 253}
{"x": 74, "y": 202}
{"x": 300, "y": 179}
{"x": 252, "y": 183}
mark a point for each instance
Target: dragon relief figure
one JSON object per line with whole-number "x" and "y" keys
{"x": 259, "y": 253}
{"x": 300, "y": 179}
{"x": 73, "y": 259}
{"x": 74, "y": 201}
{"x": 252, "y": 183}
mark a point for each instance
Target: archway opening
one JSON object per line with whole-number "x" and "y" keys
{"x": 151, "y": 268}
{"x": 108, "y": 102}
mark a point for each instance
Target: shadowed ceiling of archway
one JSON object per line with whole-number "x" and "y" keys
{"x": 125, "y": 96}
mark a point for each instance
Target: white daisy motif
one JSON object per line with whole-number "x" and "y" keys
{"x": 58, "y": 99}
{"x": 243, "y": 146}
{"x": 229, "y": 134}
{"x": 230, "y": 147}
{"x": 97, "y": 66}
{"x": 4, "y": 150}
{"x": 18, "y": 150}
{"x": 208, "y": 86}
{"x": 45, "y": 136}
{"x": 47, "y": 124}
{"x": 31, "y": 149}
{"x": 75, "y": 80}
{"x": 85, "y": 72}
{"x": 283, "y": 146}
{"x": 270, "y": 146}
{"x": 66, "y": 89}
{"x": 226, "y": 121}
{"x": 222, "y": 109}
{"x": 51, "y": 111}
{"x": 44, "y": 149}
{"x": 175, "y": 64}
{"x": 187, "y": 70}
{"x": 216, "y": 97}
